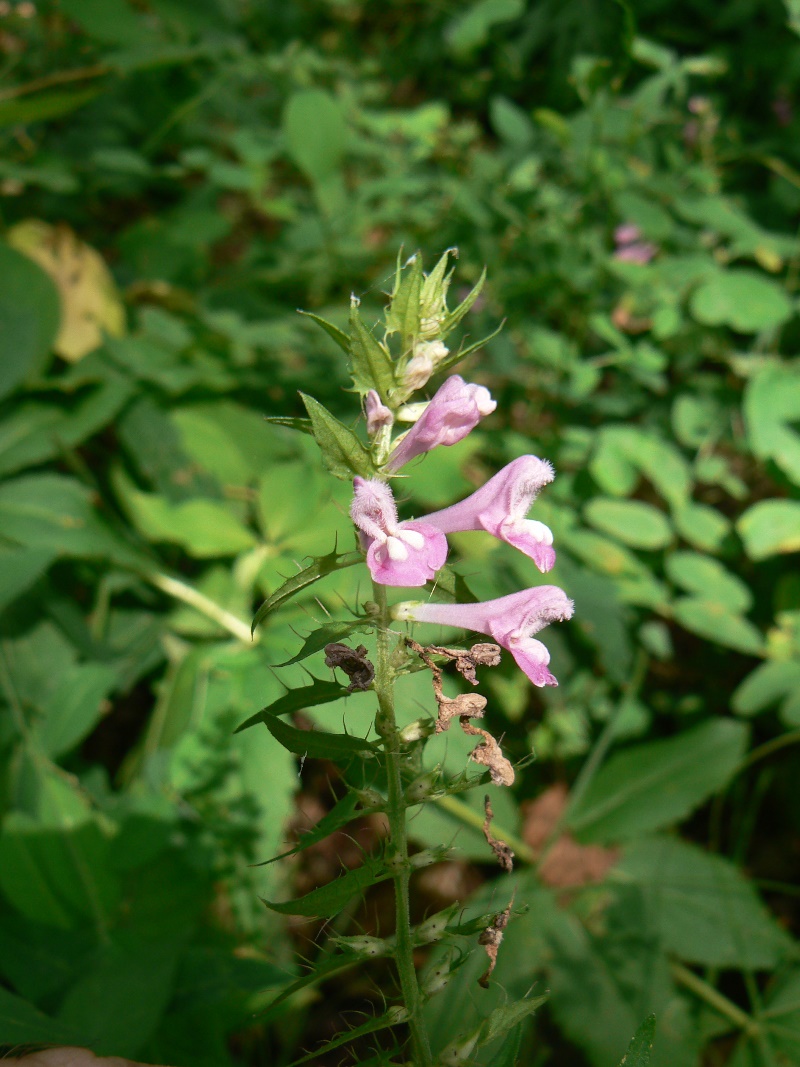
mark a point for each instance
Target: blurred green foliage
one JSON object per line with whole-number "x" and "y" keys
{"x": 176, "y": 177}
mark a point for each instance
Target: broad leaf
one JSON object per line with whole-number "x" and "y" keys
{"x": 341, "y": 338}
{"x": 770, "y": 527}
{"x": 658, "y": 783}
{"x": 371, "y": 364}
{"x": 29, "y": 316}
{"x": 342, "y": 452}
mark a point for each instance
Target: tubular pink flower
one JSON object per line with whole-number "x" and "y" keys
{"x": 510, "y": 620}
{"x": 456, "y": 408}
{"x": 500, "y": 507}
{"x": 398, "y": 553}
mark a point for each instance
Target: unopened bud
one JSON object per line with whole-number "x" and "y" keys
{"x": 421, "y": 787}
{"x": 426, "y": 358}
{"x": 378, "y": 415}
{"x": 416, "y": 731}
{"x": 427, "y": 857}
{"x": 434, "y": 927}
{"x": 364, "y": 945}
{"x": 436, "y": 980}
{"x": 459, "y": 1051}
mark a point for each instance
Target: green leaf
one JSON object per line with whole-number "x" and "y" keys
{"x": 701, "y": 525}
{"x": 370, "y": 364}
{"x": 709, "y": 579}
{"x": 331, "y": 898}
{"x": 19, "y": 569}
{"x": 702, "y": 908}
{"x": 303, "y": 579}
{"x": 658, "y": 783}
{"x": 390, "y": 1018}
{"x": 462, "y": 353}
{"x": 470, "y": 29}
{"x": 29, "y": 317}
{"x": 453, "y": 317}
{"x": 507, "y": 1017}
{"x": 714, "y": 621}
{"x": 341, "y": 338}
{"x": 766, "y": 685}
{"x": 23, "y": 1024}
{"x": 341, "y": 814}
{"x": 633, "y": 522}
{"x": 55, "y": 513}
{"x": 742, "y": 299}
{"x": 74, "y": 708}
{"x": 43, "y": 106}
{"x": 342, "y": 452}
{"x": 403, "y": 314}
{"x": 292, "y": 422}
{"x": 638, "y": 1054}
{"x": 771, "y": 406}
{"x": 318, "y": 744}
{"x": 204, "y": 528}
{"x": 770, "y": 527}
{"x": 305, "y": 696}
{"x": 315, "y": 133}
{"x": 330, "y": 631}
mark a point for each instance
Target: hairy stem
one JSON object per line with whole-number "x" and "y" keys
{"x": 386, "y": 726}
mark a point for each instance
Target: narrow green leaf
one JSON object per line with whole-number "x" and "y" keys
{"x": 318, "y": 744}
{"x": 304, "y": 696}
{"x": 371, "y": 364}
{"x": 341, "y": 338}
{"x": 507, "y": 1017}
{"x": 342, "y": 452}
{"x": 342, "y": 813}
{"x": 21, "y": 1023}
{"x": 320, "y": 972}
{"x": 457, "y": 314}
{"x": 303, "y": 579}
{"x": 404, "y": 311}
{"x": 303, "y": 425}
{"x": 383, "y": 1022}
{"x": 330, "y": 631}
{"x": 638, "y": 1054}
{"x": 462, "y": 353}
{"x": 331, "y": 898}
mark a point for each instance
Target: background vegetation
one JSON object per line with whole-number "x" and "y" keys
{"x": 176, "y": 178}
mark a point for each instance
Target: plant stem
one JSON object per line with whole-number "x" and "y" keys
{"x": 714, "y": 999}
{"x": 174, "y": 587}
{"x": 386, "y": 726}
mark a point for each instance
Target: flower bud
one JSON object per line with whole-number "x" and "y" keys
{"x": 416, "y": 731}
{"x": 436, "y": 979}
{"x": 378, "y": 415}
{"x": 427, "y": 356}
{"x": 424, "y": 786}
{"x": 434, "y": 927}
{"x": 364, "y": 945}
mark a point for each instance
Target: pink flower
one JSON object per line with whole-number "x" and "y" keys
{"x": 398, "y": 553}
{"x": 456, "y": 408}
{"x": 641, "y": 252}
{"x": 378, "y": 415}
{"x": 500, "y": 507}
{"x": 510, "y": 620}
{"x": 627, "y": 233}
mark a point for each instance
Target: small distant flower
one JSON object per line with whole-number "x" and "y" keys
{"x": 456, "y": 409}
{"x": 500, "y": 507}
{"x": 378, "y": 415}
{"x": 510, "y": 620}
{"x": 398, "y": 553}
{"x": 630, "y": 248}
{"x": 627, "y": 233}
{"x": 427, "y": 356}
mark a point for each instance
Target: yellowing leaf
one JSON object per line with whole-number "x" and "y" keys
{"x": 90, "y": 304}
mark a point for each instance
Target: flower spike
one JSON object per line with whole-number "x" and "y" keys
{"x": 510, "y": 620}
{"x": 398, "y": 553}
{"x": 456, "y": 408}
{"x": 500, "y": 507}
